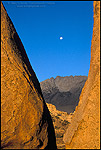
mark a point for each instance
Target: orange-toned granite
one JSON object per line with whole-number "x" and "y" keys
{"x": 84, "y": 130}
{"x": 25, "y": 119}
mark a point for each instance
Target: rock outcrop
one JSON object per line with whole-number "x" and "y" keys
{"x": 63, "y": 92}
{"x": 61, "y": 120}
{"x": 25, "y": 119}
{"x": 84, "y": 130}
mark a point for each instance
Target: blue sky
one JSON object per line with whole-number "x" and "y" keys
{"x": 40, "y": 24}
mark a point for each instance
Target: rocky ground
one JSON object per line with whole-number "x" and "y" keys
{"x": 61, "y": 120}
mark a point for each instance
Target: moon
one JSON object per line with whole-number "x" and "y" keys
{"x": 61, "y": 38}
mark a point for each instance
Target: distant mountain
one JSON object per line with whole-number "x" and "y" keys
{"x": 63, "y": 92}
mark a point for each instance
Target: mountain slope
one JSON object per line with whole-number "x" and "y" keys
{"x": 63, "y": 92}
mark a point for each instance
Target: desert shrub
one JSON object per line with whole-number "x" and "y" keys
{"x": 56, "y": 117}
{"x": 56, "y": 127}
{"x": 59, "y": 114}
{"x": 65, "y": 122}
{"x": 53, "y": 119}
{"x": 59, "y": 135}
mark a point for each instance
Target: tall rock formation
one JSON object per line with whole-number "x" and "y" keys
{"x": 25, "y": 119}
{"x": 84, "y": 130}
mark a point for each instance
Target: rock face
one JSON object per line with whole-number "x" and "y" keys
{"x": 25, "y": 119}
{"x": 61, "y": 120}
{"x": 63, "y": 92}
{"x": 84, "y": 130}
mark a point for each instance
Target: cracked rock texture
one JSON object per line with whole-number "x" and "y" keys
{"x": 84, "y": 130}
{"x": 25, "y": 119}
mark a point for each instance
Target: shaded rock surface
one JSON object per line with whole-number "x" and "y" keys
{"x": 84, "y": 130}
{"x": 61, "y": 120}
{"x": 25, "y": 119}
{"x": 63, "y": 92}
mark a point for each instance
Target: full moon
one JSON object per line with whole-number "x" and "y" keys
{"x": 61, "y": 38}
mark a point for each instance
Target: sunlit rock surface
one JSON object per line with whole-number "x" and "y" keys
{"x": 61, "y": 120}
{"x": 84, "y": 130}
{"x": 25, "y": 120}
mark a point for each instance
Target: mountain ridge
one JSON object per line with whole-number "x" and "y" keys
{"x": 63, "y": 92}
